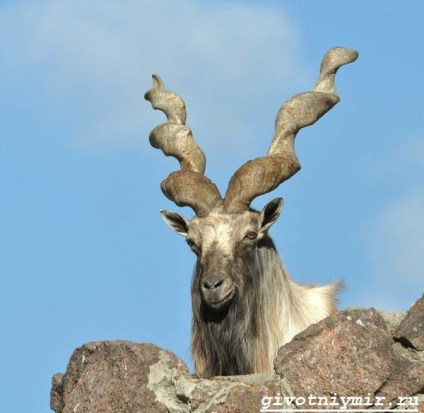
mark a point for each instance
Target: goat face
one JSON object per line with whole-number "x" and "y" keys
{"x": 224, "y": 244}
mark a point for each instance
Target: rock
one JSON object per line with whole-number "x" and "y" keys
{"x": 232, "y": 394}
{"x": 420, "y": 400}
{"x": 245, "y": 399}
{"x": 407, "y": 379}
{"x": 119, "y": 376}
{"x": 56, "y": 399}
{"x": 408, "y": 352}
{"x": 411, "y": 330}
{"x": 392, "y": 320}
{"x": 349, "y": 354}
{"x": 124, "y": 377}
{"x": 355, "y": 339}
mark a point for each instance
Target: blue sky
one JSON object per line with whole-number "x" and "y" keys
{"x": 84, "y": 254}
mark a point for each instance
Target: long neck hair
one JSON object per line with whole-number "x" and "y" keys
{"x": 268, "y": 309}
{"x": 240, "y": 338}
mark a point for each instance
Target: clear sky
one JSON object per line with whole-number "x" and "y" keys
{"x": 84, "y": 254}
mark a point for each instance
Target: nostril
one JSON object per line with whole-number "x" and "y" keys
{"x": 218, "y": 283}
{"x": 213, "y": 281}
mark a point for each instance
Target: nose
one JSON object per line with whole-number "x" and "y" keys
{"x": 212, "y": 281}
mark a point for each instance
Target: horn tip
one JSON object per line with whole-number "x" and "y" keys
{"x": 341, "y": 55}
{"x": 157, "y": 86}
{"x": 157, "y": 82}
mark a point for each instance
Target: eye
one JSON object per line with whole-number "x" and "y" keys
{"x": 192, "y": 245}
{"x": 251, "y": 235}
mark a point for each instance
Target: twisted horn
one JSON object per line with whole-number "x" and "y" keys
{"x": 188, "y": 186}
{"x": 263, "y": 175}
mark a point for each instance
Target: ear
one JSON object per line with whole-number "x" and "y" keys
{"x": 176, "y": 222}
{"x": 270, "y": 213}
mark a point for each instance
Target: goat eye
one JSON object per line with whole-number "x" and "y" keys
{"x": 251, "y": 235}
{"x": 192, "y": 244}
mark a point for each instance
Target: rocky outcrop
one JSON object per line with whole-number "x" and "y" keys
{"x": 355, "y": 359}
{"x": 411, "y": 330}
{"x": 119, "y": 376}
{"x": 355, "y": 356}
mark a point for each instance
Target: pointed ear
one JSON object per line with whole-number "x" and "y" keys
{"x": 176, "y": 222}
{"x": 270, "y": 213}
